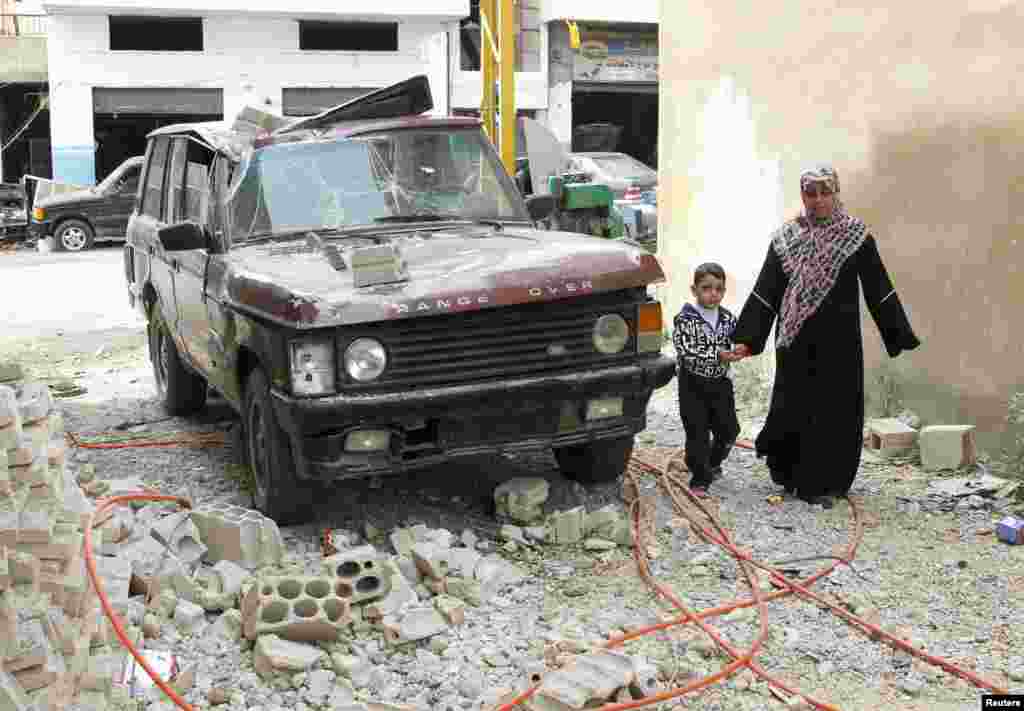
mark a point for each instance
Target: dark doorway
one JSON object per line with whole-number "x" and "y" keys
{"x": 121, "y": 136}
{"x": 25, "y": 125}
{"x": 636, "y": 112}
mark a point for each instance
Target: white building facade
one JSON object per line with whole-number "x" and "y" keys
{"x": 121, "y": 68}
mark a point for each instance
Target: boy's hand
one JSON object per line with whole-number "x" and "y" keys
{"x": 727, "y": 356}
{"x": 741, "y": 351}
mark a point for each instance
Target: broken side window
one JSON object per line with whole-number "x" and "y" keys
{"x": 152, "y": 203}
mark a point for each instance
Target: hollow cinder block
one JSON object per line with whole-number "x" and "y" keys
{"x": 243, "y": 536}
{"x": 361, "y": 574}
{"x": 34, "y": 402}
{"x": 296, "y": 608}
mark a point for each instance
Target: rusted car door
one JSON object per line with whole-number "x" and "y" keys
{"x": 149, "y": 220}
{"x": 188, "y": 196}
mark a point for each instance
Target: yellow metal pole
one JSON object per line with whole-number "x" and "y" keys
{"x": 508, "y": 85}
{"x": 488, "y": 67}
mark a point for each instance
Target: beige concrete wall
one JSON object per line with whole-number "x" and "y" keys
{"x": 920, "y": 108}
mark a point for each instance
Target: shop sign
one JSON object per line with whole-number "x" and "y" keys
{"x": 613, "y": 56}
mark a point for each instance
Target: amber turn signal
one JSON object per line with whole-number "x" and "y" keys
{"x": 648, "y": 327}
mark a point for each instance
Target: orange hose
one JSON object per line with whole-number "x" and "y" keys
{"x": 790, "y": 587}
{"x": 195, "y": 440}
{"x": 108, "y": 610}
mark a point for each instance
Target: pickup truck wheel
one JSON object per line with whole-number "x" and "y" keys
{"x": 73, "y": 236}
{"x": 597, "y": 462}
{"x": 182, "y": 391}
{"x": 278, "y": 494}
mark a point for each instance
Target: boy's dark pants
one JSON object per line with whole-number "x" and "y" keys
{"x": 707, "y": 406}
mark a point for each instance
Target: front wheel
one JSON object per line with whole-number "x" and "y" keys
{"x": 73, "y": 236}
{"x": 182, "y": 391}
{"x": 278, "y": 493}
{"x": 597, "y": 462}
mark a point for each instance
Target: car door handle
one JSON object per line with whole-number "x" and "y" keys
{"x": 176, "y": 265}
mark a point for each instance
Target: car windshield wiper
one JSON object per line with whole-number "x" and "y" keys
{"x": 443, "y": 217}
{"x": 424, "y": 217}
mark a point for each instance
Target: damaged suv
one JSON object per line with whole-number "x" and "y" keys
{"x": 368, "y": 289}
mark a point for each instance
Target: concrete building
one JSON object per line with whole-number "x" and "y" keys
{"x": 24, "y": 114}
{"x": 918, "y": 107}
{"x": 612, "y": 78}
{"x": 121, "y": 68}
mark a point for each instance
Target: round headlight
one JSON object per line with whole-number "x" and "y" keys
{"x": 365, "y": 359}
{"x": 611, "y": 333}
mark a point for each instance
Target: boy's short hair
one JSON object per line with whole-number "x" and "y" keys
{"x": 708, "y": 269}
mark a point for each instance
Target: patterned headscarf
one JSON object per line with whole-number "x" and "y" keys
{"x": 812, "y": 252}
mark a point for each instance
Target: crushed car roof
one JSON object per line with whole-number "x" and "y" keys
{"x": 401, "y": 105}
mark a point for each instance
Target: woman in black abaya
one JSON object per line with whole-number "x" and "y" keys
{"x": 808, "y": 287}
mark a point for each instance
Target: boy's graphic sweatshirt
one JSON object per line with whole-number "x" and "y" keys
{"x": 698, "y": 343}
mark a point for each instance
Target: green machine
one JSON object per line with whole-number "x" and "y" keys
{"x": 580, "y": 205}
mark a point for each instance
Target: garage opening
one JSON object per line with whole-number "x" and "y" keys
{"x": 631, "y": 108}
{"x": 123, "y": 118}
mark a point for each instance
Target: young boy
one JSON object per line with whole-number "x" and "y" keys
{"x": 707, "y": 403}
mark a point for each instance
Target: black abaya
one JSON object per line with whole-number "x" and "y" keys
{"x": 814, "y": 432}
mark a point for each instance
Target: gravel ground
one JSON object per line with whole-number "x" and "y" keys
{"x": 937, "y": 577}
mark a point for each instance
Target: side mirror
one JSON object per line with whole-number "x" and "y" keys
{"x": 540, "y": 206}
{"x": 183, "y": 237}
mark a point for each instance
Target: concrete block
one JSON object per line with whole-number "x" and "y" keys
{"x": 104, "y": 668}
{"x": 35, "y": 472}
{"x": 948, "y": 447}
{"x": 275, "y": 654}
{"x": 75, "y": 504}
{"x": 408, "y": 568}
{"x": 297, "y": 608}
{"x": 34, "y": 402}
{"x": 361, "y": 574}
{"x": 240, "y": 535}
{"x": 400, "y": 595}
{"x": 9, "y": 415}
{"x": 566, "y": 527}
{"x": 890, "y": 436}
{"x": 64, "y": 544}
{"x": 35, "y": 524}
{"x": 5, "y": 571}
{"x": 24, "y": 452}
{"x": 56, "y": 422}
{"x": 413, "y": 625}
{"x": 591, "y": 677}
{"x": 44, "y": 674}
{"x": 179, "y": 533}
{"x": 521, "y": 499}
{"x": 31, "y": 646}
{"x": 231, "y": 576}
{"x": 431, "y": 561}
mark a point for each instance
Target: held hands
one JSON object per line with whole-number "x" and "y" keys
{"x": 738, "y": 353}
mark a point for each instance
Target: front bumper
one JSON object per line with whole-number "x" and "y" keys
{"x": 429, "y": 426}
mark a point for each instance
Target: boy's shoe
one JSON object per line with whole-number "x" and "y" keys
{"x": 701, "y": 492}
{"x": 716, "y": 473}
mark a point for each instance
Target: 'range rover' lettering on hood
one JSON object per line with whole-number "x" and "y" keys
{"x": 449, "y": 271}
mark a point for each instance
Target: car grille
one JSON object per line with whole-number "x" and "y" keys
{"x": 502, "y": 342}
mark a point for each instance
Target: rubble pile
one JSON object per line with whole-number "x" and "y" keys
{"x": 55, "y": 644}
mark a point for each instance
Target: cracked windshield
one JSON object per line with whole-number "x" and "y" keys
{"x": 383, "y": 177}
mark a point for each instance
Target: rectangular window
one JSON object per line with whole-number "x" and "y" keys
{"x": 189, "y": 183}
{"x": 156, "y": 34}
{"x": 348, "y": 36}
{"x": 152, "y": 197}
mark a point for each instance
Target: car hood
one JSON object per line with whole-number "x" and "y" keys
{"x": 70, "y": 198}
{"x": 447, "y": 271}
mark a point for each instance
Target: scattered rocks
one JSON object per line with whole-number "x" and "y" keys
{"x": 521, "y": 499}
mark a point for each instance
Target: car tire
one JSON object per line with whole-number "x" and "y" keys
{"x": 73, "y": 236}
{"x": 182, "y": 391}
{"x": 277, "y": 491}
{"x": 596, "y": 462}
